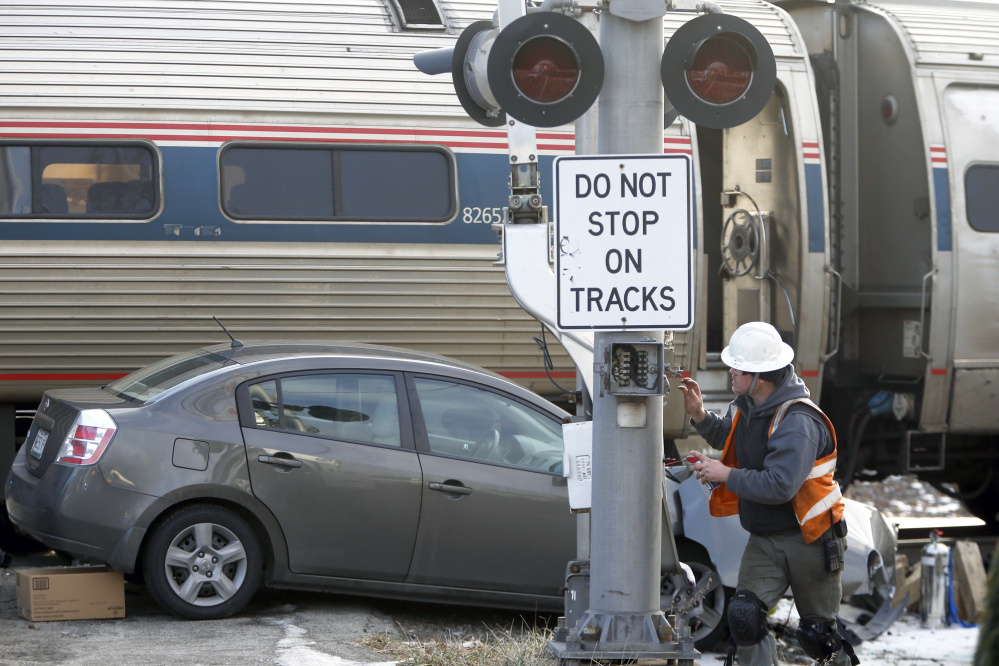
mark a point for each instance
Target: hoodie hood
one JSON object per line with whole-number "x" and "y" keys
{"x": 791, "y": 388}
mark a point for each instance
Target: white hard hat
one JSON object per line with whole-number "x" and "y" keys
{"x": 757, "y": 347}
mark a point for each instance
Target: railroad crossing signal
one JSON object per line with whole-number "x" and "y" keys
{"x": 545, "y": 69}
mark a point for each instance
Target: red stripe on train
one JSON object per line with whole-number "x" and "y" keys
{"x": 62, "y": 377}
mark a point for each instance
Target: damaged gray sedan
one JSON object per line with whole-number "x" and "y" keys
{"x": 346, "y": 468}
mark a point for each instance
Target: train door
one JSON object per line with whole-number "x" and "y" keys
{"x": 971, "y": 116}
{"x": 751, "y": 233}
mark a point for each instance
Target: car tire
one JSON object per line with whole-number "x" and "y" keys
{"x": 202, "y": 562}
{"x": 707, "y": 619}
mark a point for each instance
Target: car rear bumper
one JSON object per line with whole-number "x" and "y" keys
{"x": 96, "y": 523}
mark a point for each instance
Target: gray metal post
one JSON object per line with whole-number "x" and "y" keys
{"x": 631, "y": 100}
{"x": 627, "y": 497}
{"x": 627, "y": 469}
{"x": 587, "y": 134}
{"x": 625, "y": 518}
{"x": 624, "y": 620}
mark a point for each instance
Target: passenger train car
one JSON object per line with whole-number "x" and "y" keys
{"x": 868, "y": 192}
{"x": 284, "y": 167}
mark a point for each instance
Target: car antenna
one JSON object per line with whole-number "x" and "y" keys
{"x": 236, "y": 344}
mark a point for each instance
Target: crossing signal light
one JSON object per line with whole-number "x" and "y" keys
{"x": 718, "y": 71}
{"x": 543, "y": 69}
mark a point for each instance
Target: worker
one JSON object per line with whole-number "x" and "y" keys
{"x": 776, "y": 472}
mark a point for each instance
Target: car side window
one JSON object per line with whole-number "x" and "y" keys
{"x": 266, "y": 410}
{"x": 469, "y": 422}
{"x": 346, "y": 406}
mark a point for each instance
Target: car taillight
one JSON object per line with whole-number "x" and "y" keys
{"x": 721, "y": 71}
{"x": 87, "y": 439}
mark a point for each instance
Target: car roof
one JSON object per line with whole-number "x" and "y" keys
{"x": 256, "y": 353}
{"x": 267, "y": 350}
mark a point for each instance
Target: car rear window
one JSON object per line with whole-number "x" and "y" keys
{"x": 149, "y": 382}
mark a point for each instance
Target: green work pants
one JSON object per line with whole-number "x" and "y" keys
{"x": 772, "y": 563}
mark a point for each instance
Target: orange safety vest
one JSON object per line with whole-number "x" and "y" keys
{"x": 818, "y": 504}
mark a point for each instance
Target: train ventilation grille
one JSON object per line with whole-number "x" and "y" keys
{"x": 419, "y": 14}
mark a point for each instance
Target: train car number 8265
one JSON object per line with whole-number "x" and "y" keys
{"x": 476, "y": 215}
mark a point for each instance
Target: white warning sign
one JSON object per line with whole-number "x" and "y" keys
{"x": 624, "y": 242}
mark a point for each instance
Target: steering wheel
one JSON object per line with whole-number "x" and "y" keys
{"x": 487, "y": 448}
{"x": 740, "y": 243}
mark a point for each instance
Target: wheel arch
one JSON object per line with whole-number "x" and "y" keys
{"x": 263, "y": 523}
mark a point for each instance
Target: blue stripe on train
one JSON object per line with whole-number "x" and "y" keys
{"x": 191, "y": 200}
{"x": 941, "y": 187}
{"x": 816, "y": 219}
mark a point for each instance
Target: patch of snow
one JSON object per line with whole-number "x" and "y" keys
{"x": 296, "y": 650}
{"x": 905, "y": 643}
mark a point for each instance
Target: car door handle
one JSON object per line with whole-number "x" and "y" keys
{"x": 278, "y": 460}
{"x": 447, "y": 488}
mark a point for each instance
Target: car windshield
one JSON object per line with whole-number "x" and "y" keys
{"x": 149, "y": 382}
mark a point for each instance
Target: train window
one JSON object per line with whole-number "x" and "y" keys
{"x": 423, "y": 176}
{"x": 278, "y": 183}
{"x": 342, "y": 183}
{"x": 981, "y": 193}
{"x": 78, "y": 181}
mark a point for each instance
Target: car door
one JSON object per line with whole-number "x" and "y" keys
{"x": 331, "y": 455}
{"x": 495, "y": 505}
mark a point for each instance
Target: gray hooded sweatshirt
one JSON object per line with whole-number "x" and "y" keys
{"x": 771, "y": 469}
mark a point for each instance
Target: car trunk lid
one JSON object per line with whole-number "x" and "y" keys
{"x": 56, "y": 415}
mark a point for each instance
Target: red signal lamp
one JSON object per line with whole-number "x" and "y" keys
{"x": 543, "y": 69}
{"x": 718, "y": 71}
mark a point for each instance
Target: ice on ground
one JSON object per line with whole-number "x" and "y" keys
{"x": 905, "y": 643}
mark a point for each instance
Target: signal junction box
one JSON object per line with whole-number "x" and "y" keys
{"x": 636, "y": 368}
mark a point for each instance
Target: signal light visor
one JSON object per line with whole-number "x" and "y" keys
{"x": 545, "y": 69}
{"x": 88, "y": 438}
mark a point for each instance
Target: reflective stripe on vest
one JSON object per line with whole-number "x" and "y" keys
{"x": 817, "y": 504}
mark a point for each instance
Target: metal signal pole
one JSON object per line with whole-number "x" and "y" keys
{"x": 624, "y": 620}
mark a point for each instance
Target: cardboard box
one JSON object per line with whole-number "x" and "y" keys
{"x": 70, "y": 593}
